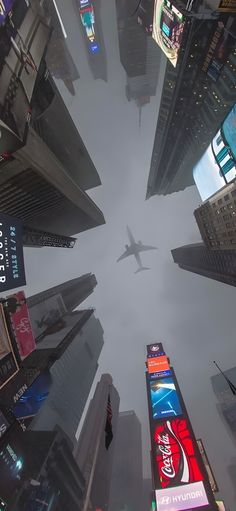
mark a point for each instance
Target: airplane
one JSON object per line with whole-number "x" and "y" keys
{"x": 135, "y": 249}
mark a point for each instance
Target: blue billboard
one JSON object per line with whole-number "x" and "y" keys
{"x": 164, "y": 398}
{"x": 217, "y": 167}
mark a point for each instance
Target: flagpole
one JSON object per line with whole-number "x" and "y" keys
{"x": 231, "y": 385}
{"x": 98, "y": 443}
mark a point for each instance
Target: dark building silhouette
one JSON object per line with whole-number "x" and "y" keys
{"x": 127, "y": 477}
{"x": 72, "y": 375}
{"x": 45, "y": 472}
{"x": 196, "y": 95}
{"x": 216, "y": 219}
{"x": 37, "y": 238}
{"x": 94, "y": 452}
{"x": 44, "y": 182}
{"x": 214, "y": 264}
{"x": 226, "y": 400}
{"x": 148, "y": 495}
{"x": 132, "y": 42}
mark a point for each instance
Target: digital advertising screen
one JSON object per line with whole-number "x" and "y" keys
{"x": 5, "y": 7}
{"x": 217, "y": 167}
{"x": 12, "y": 270}
{"x": 17, "y": 309}
{"x": 168, "y": 28}
{"x": 33, "y": 398}
{"x": 87, "y": 17}
{"x": 164, "y": 398}
{"x": 157, "y": 364}
{"x": 160, "y": 374}
{"x": 175, "y": 454}
{"x": 155, "y": 350}
{"x": 8, "y": 363}
{"x": 181, "y": 498}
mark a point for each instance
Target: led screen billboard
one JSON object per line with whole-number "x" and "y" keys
{"x": 181, "y": 498}
{"x": 164, "y": 398}
{"x": 168, "y": 28}
{"x": 87, "y": 17}
{"x": 217, "y": 166}
{"x": 157, "y": 364}
{"x": 160, "y": 374}
{"x": 175, "y": 454}
{"x": 17, "y": 310}
{"x": 12, "y": 270}
{"x": 8, "y": 363}
{"x": 155, "y": 350}
{"x": 33, "y": 398}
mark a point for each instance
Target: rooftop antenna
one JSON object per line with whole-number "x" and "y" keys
{"x": 231, "y": 385}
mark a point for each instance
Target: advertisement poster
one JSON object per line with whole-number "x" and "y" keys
{"x": 217, "y": 167}
{"x": 12, "y": 270}
{"x": 87, "y": 17}
{"x": 155, "y": 350}
{"x": 33, "y": 398}
{"x": 168, "y": 28}
{"x": 8, "y": 362}
{"x": 24, "y": 36}
{"x": 157, "y": 364}
{"x": 44, "y": 314}
{"x": 181, "y": 498}
{"x": 17, "y": 309}
{"x": 175, "y": 455}
{"x": 164, "y": 399}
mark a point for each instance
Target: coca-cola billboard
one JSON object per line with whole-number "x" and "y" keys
{"x": 175, "y": 454}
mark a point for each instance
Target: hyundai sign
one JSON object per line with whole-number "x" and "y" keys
{"x": 12, "y": 271}
{"x": 190, "y": 496}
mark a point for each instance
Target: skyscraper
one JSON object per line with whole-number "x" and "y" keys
{"x": 197, "y": 94}
{"x": 44, "y": 182}
{"x": 215, "y": 264}
{"x": 216, "y": 219}
{"x": 226, "y": 400}
{"x": 72, "y": 375}
{"x": 48, "y": 306}
{"x": 94, "y": 452}
{"x": 132, "y": 40}
{"x": 127, "y": 475}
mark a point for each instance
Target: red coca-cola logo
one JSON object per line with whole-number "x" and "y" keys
{"x": 175, "y": 456}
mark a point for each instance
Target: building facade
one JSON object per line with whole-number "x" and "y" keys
{"x": 226, "y": 400}
{"x": 47, "y": 307}
{"x": 197, "y": 94}
{"x": 72, "y": 374}
{"x": 127, "y": 473}
{"x": 216, "y": 219}
{"x": 94, "y": 453}
{"x": 217, "y": 265}
{"x": 46, "y": 474}
{"x": 44, "y": 182}
{"x": 132, "y": 40}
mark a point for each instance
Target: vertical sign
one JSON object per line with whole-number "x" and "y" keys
{"x": 12, "y": 271}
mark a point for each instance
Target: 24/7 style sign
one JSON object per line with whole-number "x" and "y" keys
{"x": 12, "y": 271}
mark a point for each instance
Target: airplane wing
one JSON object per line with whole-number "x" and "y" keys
{"x": 127, "y": 253}
{"x": 142, "y": 248}
{"x": 130, "y": 235}
{"x": 138, "y": 259}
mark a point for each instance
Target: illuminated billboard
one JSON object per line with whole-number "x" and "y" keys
{"x": 217, "y": 166}
{"x": 155, "y": 350}
{"x": 8, "y": 363}
{"x": 160, "y": 374}
{"x": 87, "y": 17}
{"x": 175, "y": 454}
{"x": 164, "y": 398}
{"x": 157, "y": 364}
{"x": 181, "y": 498}
{"x": 168, "y": 28}
{"x": 12, "y": 271}
{"x": 17, "y": 309}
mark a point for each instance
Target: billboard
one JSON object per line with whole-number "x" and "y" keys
{"x": 33, "y": 398}
{"x": 208, "y": 468}
{"x": 155, "y": 350}
{"x": 24, "y": 37}
{"x": 164, "y": 398}
{"x": 87, "y": 17}
{"x": 17, "y": 309}
{"x": 8, "y": 363}
{"x": 158, "y": 364}
{"x": 181, "y": 498}
{"x": 175, "y": 454}
{"x": 221, "y": 44}
{"x": 12, "y": 270}
{"x": 168, "y": 28}
{"x": 46, "y": 313}
{"x": 217, "y": 166}
{"x": 160, "y": 374}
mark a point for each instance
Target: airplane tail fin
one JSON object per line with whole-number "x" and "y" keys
{"x": 141, "y": 269}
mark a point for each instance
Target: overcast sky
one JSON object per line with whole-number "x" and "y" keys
{"x": 193, "y": 316}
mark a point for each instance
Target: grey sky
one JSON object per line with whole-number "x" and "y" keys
{"x": 193, "y": 316}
